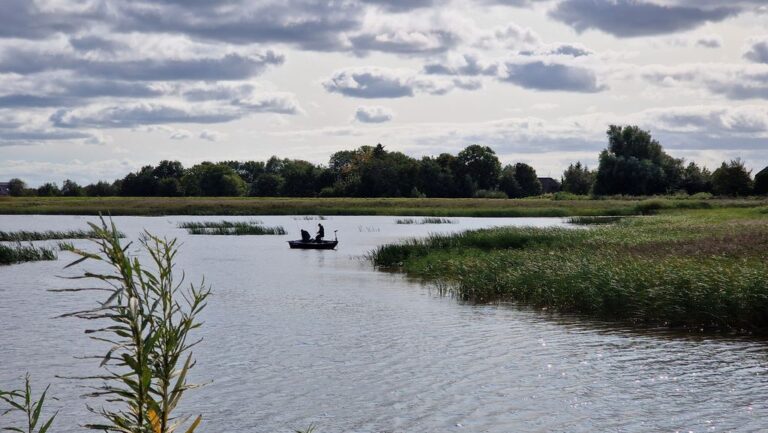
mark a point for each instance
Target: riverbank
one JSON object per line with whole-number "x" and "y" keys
{"x": 682, "y": 268}
{"x": 468, "y": 207}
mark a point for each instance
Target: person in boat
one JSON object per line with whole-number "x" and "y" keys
{"x": 320, "y": 233}
{"x": 305, "y": 237}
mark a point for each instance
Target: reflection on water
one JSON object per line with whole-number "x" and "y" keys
{"x": 293, "y": 337}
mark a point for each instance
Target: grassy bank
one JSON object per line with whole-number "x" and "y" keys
{"x": 10, "y": 254}
{"x": 694, "y": 268}
{"x": 532, "y": 207}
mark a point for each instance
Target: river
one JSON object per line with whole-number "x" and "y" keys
{"x": 297, "y": 337}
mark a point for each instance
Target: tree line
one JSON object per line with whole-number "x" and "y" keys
{"x": 634, "y": 163}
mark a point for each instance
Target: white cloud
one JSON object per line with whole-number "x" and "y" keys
{"x": 373, "y": 114}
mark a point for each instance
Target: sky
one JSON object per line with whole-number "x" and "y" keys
{"x": 93, "y": 89}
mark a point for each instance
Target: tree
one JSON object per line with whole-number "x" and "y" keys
{"x": 635, "y": 164}
{"x": 527, "y": 179}
{"x": 99, "y": 189}
{"x": 578, "y": 179}
{"x": 168, "y": 168}
{"x": 761, "y": 182}
{"x": 267, "y": 185}
{"x": 481, "y": 164}
{"x": 169, "y": 187}
{"x": 508, "y": 183}
{"x": 70, "y": 188}
{"x": 299, "y": 178}
{"x": 16, "y": 187}
{"x": 143, "y": 183}
{"x": 695, "y": 179}
{"x": 732, "y": 179}
{"x": 48, "y": 190}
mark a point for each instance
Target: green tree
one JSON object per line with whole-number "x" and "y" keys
{"x": 481, "y": 164}
{"x": 578, "y": 179}
{"x": 169, "y": 187}
{"x": 70, "y": 188}
{"x": 16, "y": 187}
{"x": 635, "y": 164}
{"x": 166, "y": 168}
{"x": 213, "y": 180}
{"x": 508, "y": 183}
{"x": 732, "y": 179}
{"x": 99, "y": 189}
{"x": 267, "y": 185}
{"x": 761, "y": 182}
{"x": 527, "y": 179}
{"x": 695, "y": 179}
{"x": 49, "y": 190}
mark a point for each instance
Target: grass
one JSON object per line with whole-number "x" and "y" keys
{"x": 24, "y": 236}
{"x": 547, "y": 206}
{"x": 230, "y": 228}
{"x": 686, "y": 268}
{"x": 426, "y": 220}
{"x": 10, "y": 254}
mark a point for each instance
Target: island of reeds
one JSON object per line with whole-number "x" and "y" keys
{"x": 684, "y": 268}
{"x": 23, "y": 235}
{"x": 18, "y": 253}
{"x": 231, "y": 228}
{"x": 426, "y": 220}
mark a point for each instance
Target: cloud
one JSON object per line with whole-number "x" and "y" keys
{"x": 757, "y": 51}
{"x": 376, "y": 82}
{"x": 634, "y": 18}
{"x": 231, "y": 66}
{"x": 21, "y": 129}
{"x": 539, "y": 75}
{"x": 211, "y": 135}
{"x": 406, "y": 41}
{"x": 467, "y": 64}
{"x": 145, "y": 113}
{"x": 271, "y": 102}
{"x": 373, "y": 114}
{"x": 734, "y": 81}
{"x": 709, "y": 42}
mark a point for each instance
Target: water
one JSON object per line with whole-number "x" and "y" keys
{"x": 295, "y": 337}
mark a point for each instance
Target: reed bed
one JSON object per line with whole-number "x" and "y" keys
{"x": 230, "y": 228}
{"x": 310, "y": 218}
{"x": 695, "y": 269}
{"x": 10, "y": 254}
{"x": 26, "y": 236}
{"x": 426, "y": 220}
{"x": 594, "y": 220}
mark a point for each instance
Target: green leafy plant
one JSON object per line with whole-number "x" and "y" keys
{"x": 150, "y": 320}
{"x": 23, "y": 401}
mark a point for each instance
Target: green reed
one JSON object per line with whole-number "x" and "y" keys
{"x": 426, "y": 220}
{"x": 23, "y": 236}
{"x": 594, "y": 220}
{"x": 22, "y": 401}
{"x": 19, "y": 253}
{"x": 147, "y": 320}
{"x": 700, "y": 269}
{"x": 231, "y": 228}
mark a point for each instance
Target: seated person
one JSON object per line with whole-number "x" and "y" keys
{"x": 320, "y": 233}
{"x": 305, "y": 236}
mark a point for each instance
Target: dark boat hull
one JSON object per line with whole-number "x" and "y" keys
{"x": 322, "y": 245}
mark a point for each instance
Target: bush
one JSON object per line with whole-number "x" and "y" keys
{"x": 484, "y": 193}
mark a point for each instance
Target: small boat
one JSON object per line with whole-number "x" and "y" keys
{"x": 314, "y": 245}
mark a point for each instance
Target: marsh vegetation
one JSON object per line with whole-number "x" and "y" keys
{"x": 23, "y": 235}
{"x": 705, "y": 269}
{"x": 18, "y": 253}
{"x": 231, "y": 228}
{"x": 426, "y": 220}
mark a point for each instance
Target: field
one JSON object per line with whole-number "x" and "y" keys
{"x": 533, "y": 207}
{"x": 700, "y": 269}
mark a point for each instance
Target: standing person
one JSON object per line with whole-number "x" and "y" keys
{"x": 320, "y": 233}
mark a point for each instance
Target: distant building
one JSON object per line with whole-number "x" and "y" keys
{"x": 549, "y": 185}
{"x": 5, "y": 188}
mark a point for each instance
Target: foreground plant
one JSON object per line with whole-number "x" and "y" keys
{"x": 149, "y": 323}
{"x": 23, "y": 401}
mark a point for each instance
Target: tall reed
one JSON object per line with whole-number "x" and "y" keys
{"x": 23, "y": 235}
{"x": 149, "y": 321}
{"x": 30, "y": 410}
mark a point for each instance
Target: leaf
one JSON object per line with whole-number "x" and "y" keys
{"x": 194, "y": 425}
{"x": 154, "y": 420}
{"x": 45, "y": 427}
